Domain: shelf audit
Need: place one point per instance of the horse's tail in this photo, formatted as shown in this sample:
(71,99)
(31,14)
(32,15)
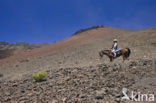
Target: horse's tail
(129,52)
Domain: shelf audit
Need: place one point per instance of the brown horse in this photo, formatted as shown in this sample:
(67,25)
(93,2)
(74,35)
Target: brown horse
(125,53)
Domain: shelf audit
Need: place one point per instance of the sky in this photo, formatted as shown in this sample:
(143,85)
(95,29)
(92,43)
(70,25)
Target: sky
(47,21)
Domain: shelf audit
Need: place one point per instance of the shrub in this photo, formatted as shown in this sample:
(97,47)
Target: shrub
(40,76)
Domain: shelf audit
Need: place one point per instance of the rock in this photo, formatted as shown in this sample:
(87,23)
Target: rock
(1,75)
(15,84)
(6,99)
(54,101)
(22,101)
(134,67)
(7,93)
(69,101)
(22,91)
(82,96)
(117,95)
(64,99)
(118,100)
(13,101)
(30,94)
(99,95)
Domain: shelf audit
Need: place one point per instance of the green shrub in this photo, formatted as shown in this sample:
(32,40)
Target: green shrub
(40,76)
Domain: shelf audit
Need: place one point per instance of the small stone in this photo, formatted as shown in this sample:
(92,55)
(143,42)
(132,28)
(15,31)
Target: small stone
(54,101)
(13,101)
(99,95)
(134,67)
(83,96)
(117,99)
(14,84)
(6,99)
(1,75)
(64,99)
(7,93)
(117,95)
(22,91)
(22,101)
(30,94)
(69,101)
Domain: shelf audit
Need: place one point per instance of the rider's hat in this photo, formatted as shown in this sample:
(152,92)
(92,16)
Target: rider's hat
(115,40)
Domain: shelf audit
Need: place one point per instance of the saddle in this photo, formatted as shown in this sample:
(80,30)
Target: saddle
(118,50)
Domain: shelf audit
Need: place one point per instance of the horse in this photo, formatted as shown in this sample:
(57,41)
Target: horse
(125,53)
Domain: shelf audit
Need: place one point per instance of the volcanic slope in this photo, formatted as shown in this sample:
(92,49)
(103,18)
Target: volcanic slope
(79,50)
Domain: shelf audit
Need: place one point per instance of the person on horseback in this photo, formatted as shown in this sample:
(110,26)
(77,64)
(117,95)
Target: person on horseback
(114,47)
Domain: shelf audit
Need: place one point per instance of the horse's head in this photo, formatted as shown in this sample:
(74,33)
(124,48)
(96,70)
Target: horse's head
(107,51)
(104,52)
(101,54)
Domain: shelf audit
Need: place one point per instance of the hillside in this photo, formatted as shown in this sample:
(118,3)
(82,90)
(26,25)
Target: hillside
(75,72)
(79,50)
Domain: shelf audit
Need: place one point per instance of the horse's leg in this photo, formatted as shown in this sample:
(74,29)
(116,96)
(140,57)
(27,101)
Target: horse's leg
(124,58)
(127,57)
(100,55)
(111,59)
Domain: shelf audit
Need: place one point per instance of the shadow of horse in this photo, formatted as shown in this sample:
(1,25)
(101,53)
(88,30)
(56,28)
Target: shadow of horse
(125,53)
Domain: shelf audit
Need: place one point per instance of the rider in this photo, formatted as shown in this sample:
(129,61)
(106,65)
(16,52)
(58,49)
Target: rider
(114,47)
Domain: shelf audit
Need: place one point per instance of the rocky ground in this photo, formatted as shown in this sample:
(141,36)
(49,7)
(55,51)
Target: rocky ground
(101,83)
